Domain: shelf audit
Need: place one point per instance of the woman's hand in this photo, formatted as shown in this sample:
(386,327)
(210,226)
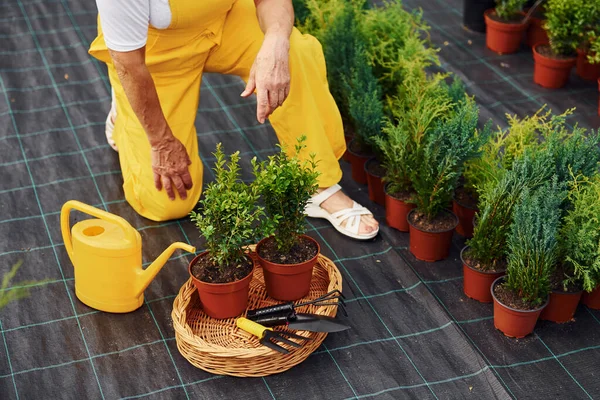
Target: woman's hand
(270,75)
(170,163)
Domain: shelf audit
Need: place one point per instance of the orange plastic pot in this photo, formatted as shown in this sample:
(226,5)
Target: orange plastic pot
(223,300)
(512,322)
(348,138)
(465,218)
(476,283)
(396,212)
(501,37)
(549,72)
(536,34)
(287,282)
(375,182)
(561,307)
(592,299)
(430,246)
(585,70)
(357,164)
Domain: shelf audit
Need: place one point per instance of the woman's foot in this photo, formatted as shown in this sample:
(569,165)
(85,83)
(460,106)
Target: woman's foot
(339,201)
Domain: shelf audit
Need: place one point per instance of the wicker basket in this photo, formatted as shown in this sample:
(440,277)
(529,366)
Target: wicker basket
(219,347)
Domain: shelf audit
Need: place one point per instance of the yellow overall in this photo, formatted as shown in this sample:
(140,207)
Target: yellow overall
(220,36)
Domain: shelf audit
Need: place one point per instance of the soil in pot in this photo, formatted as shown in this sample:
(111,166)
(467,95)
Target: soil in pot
(563,303)
(478,278)
(288,276)
(430,239)
(473,11)
(375,173)
(465,208)
(223,292)
(585,70)
(592,299)
(504,37)
(550,70)
(513,316)
(358,154)
(397,208)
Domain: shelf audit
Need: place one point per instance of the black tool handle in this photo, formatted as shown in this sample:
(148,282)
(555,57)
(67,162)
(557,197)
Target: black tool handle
(272,320)
(285,308)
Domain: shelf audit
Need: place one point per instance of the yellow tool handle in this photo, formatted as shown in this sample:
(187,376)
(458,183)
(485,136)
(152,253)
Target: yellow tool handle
(251,327)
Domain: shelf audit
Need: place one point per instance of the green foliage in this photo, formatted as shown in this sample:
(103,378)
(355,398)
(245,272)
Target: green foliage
(442,155)
(567,23)
(456,91)
(228,215)
(13,292)
(594,47)
(574,152)
(316,17)
(580,233)
(301,11)
(508,9)
(533,249)
(286,185)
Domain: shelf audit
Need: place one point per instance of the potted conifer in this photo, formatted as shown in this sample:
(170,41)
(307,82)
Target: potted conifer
(286,185)
(521,295)
(505,26)
(229,219)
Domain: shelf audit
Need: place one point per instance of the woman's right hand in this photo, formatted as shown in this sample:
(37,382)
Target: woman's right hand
(170,163)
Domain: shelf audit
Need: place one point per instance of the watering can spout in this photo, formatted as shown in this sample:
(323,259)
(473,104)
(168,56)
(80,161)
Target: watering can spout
(146,276)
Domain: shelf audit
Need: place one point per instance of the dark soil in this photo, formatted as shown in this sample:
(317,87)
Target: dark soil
(511,299)
(516,19)
(474,263)
(375,168)
(546,51)
(442,222)
(359,149)
(402,196)
(205,271)
(557,278)
(466,198)
(301,252)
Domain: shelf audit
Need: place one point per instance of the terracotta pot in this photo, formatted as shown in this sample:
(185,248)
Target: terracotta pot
(476,283)
(592,299)
(501,37)
(536,34)
(562,306)
(549,72)
(465,218)
(348,138)
(396,212)
(223,300)
(357,162)
(287,282)
(512,322)
(430,246)
(585,70)
(473,11)
(376,192)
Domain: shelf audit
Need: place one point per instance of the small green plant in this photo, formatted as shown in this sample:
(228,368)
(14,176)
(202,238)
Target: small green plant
(567,23)
(286,185)
(594,47)
(509,9)
(12,292)
(229,217)
(580,234)
(316,17)
(533,249)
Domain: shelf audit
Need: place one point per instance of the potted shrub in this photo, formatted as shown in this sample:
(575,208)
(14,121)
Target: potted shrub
(286,185)
(505,26)
(536,34)
(473,11)
(594,58)
(522,294)
(588,67)
(227,219)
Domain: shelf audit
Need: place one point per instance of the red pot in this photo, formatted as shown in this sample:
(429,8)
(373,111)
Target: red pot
(465,219)
(396,212)
(536,34)
(287,282)
(348,139)
(476,283)
(551,73)
(430,246)
(585,70)
(376,192)
(562,306)
(503,38)
(592,299)
(223,300)
(599,97)
(512,322)
(357,163)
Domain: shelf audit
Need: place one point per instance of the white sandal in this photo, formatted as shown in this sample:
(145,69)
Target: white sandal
(352,215)
(110,125)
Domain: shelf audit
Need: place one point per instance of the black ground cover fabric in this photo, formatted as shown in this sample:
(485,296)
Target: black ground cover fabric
(414,334)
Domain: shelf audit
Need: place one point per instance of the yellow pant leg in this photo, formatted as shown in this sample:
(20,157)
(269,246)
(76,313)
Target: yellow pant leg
(309,108)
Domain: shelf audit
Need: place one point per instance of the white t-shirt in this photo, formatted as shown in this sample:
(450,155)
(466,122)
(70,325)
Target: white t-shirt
(125,22)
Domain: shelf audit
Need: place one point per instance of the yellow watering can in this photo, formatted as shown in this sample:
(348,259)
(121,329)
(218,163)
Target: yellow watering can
(107,256)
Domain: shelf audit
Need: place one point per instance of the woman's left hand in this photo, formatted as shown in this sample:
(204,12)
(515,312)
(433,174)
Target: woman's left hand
(270,75)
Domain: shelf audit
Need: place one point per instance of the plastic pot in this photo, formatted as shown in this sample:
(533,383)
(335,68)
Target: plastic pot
(465,218)
(512,322)
(473,11)
(348,138)
(536,34)
(357,163)
(223,300)
(476,283)
(287,282)
(376,192)
(396,212)
(599,97)
(585,70)
(592,299)
(502,37)
(549,72)
(430,246)
(561,307)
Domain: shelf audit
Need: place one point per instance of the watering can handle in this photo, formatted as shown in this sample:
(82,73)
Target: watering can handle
(95,212)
